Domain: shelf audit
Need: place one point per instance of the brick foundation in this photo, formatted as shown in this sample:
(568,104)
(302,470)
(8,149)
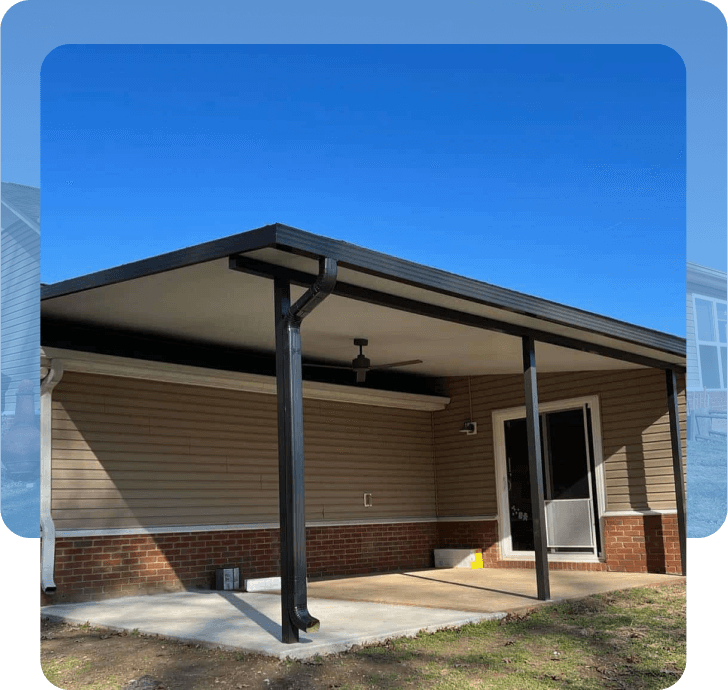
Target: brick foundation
(472,535)
(109,566)
(642,544)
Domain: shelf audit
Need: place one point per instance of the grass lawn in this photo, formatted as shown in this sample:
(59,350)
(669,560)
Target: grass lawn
(631,639)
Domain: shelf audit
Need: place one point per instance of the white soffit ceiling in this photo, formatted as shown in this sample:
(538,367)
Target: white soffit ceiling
(209,303)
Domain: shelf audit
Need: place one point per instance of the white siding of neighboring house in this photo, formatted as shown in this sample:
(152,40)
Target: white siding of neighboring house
(20,307)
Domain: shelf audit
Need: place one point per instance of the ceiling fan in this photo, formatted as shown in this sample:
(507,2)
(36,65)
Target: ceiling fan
(361,364)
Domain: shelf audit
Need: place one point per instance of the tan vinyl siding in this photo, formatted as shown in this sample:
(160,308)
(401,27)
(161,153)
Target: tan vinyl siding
(635,437)
(130,453)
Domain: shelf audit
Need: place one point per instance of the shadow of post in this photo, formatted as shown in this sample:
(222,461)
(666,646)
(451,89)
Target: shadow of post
(267,624)
(654,544)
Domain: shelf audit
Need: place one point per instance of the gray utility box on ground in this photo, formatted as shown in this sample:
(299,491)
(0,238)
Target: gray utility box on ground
(227,578)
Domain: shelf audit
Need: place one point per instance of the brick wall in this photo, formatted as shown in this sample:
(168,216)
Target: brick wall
(472,535)
(642,544)
(102,567)
(634,544)
(108,566)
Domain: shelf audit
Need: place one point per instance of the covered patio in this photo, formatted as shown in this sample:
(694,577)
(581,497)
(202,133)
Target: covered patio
(174,439)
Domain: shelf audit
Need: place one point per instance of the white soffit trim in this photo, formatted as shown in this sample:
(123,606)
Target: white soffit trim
(108,365)
(182,529)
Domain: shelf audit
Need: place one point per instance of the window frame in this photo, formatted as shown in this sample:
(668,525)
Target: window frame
(723,376)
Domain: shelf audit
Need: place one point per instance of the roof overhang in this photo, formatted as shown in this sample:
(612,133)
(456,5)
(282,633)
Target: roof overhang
(456,325)
(706,277)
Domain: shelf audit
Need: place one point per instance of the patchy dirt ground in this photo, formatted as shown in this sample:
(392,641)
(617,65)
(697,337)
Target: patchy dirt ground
(631,639)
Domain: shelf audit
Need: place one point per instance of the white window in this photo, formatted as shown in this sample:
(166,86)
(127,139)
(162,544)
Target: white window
(710,337)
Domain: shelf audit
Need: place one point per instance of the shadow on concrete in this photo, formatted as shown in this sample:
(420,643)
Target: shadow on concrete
(267,624)
(460,584)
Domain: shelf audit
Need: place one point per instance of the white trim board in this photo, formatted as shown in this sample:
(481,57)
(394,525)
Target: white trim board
(181,529)
(127,367)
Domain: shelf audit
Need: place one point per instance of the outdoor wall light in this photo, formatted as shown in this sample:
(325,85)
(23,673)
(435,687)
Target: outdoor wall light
(469,428)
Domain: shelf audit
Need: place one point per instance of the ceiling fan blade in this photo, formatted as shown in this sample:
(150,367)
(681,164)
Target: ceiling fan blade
(326,366)
(397,364)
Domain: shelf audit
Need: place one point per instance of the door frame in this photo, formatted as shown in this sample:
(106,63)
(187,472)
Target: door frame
(501,475)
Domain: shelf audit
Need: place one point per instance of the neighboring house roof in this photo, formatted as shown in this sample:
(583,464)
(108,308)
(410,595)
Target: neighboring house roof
(708,277)
(23,201)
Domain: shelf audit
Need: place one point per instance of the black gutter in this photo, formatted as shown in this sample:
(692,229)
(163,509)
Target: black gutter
(294,605)
(266,270)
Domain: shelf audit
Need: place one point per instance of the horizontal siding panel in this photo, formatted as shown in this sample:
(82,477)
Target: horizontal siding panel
(375,445)
(72,523)
(634,423)
(243,496)
(158,447)
(129,452)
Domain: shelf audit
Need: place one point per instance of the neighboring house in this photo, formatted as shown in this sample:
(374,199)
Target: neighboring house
(164,422)
(707,371)
(20,275)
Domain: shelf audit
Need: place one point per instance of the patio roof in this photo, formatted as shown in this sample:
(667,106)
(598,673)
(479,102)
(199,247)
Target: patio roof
(456,325)
(252,291)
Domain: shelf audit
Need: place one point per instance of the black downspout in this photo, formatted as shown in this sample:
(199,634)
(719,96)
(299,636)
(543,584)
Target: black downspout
(292,506)
(677,463)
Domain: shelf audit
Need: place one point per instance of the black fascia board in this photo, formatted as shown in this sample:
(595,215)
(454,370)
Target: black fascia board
(362,294)
(189,256)
(399,270)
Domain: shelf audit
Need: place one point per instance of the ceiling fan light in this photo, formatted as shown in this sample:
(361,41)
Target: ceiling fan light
(361,362)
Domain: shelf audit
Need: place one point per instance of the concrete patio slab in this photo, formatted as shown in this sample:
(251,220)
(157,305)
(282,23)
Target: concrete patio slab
(483,590)
(353,611)
(251,622)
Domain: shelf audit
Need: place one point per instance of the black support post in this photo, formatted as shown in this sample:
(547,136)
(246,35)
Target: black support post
(292,505)
(677,464)
(533,430)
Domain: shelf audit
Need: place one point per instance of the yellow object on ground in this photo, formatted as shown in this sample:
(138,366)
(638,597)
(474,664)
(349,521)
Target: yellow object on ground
(478,562)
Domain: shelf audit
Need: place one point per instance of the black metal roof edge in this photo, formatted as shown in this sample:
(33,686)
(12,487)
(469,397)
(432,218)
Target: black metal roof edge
(401,270)
(199,253)
(375,263)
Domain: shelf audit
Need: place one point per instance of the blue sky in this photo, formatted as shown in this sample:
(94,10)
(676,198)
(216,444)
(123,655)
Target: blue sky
(554,170)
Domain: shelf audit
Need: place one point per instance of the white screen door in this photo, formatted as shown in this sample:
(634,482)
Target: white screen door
(569,488)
